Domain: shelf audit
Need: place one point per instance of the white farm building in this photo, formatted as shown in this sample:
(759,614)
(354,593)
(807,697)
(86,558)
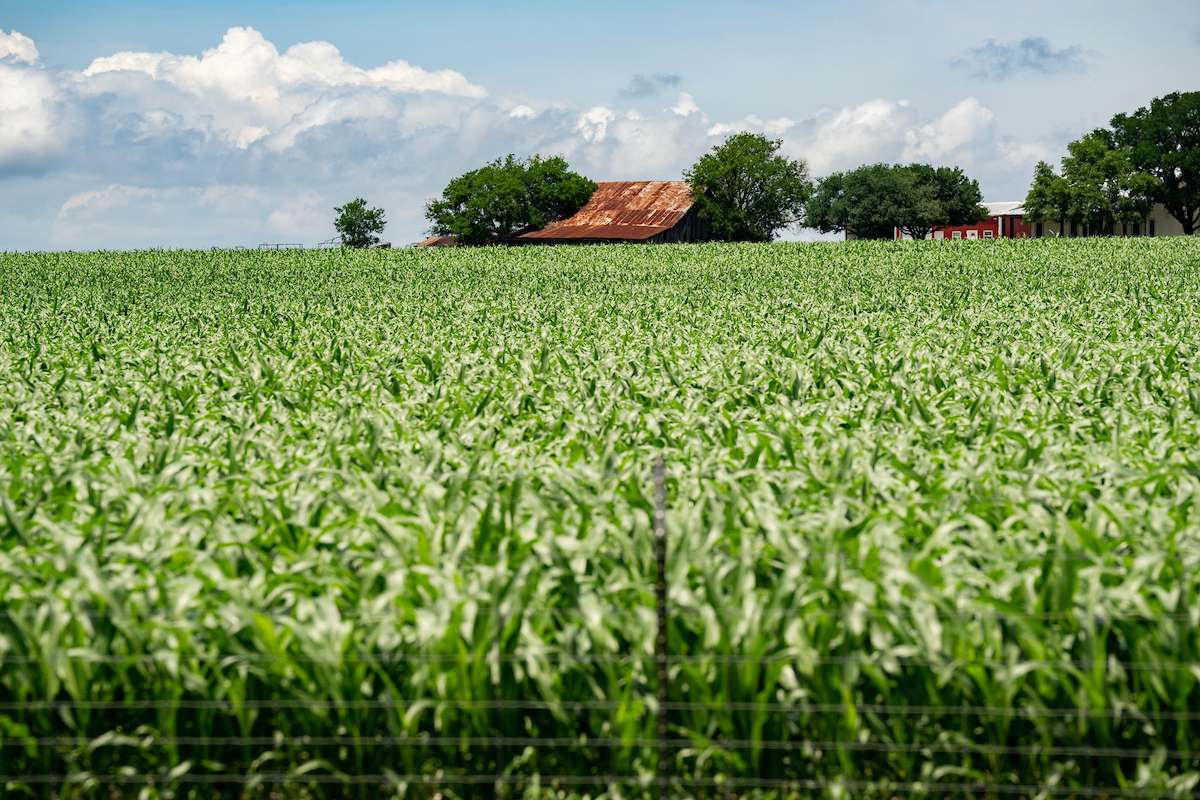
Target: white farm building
(1158,223)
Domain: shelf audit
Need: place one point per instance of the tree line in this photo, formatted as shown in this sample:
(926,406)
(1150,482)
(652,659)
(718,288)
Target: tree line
(744,188)
(748,192)
(1115,175)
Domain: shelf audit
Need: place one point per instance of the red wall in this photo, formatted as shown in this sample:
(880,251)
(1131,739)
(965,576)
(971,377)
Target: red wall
(992,224)
(1017,228)
(1014,228)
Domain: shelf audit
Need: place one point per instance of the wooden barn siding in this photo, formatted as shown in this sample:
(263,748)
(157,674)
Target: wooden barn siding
(692,228)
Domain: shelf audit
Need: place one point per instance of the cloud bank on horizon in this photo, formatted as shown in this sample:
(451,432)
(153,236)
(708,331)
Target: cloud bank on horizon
(244,143)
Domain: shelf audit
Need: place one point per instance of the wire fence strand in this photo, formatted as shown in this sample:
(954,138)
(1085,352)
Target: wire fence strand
(883,660)
(635,704)
(1101,617)
(146,741)
(785,784)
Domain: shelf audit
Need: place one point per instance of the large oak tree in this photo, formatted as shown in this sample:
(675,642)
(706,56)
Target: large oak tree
(870,202)
(746,190)
(941,197)
(1099,187)
(508,197)
(1164,141)
(866,202)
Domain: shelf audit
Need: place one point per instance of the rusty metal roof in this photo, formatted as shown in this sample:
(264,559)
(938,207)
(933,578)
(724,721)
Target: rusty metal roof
(438,241)
(625,211)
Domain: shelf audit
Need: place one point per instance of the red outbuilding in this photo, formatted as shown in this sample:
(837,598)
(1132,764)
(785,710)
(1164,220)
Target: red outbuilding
(1004,221)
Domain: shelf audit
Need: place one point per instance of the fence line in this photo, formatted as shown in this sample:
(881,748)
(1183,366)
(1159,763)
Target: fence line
(1099,617)
(784,784)
(681,743)
(883,661)
(643,704)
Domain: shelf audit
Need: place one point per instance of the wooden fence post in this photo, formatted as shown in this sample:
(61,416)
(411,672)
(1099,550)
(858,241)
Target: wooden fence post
(660,559)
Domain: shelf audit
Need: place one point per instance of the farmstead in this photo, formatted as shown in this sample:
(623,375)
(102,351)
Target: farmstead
(1007,221)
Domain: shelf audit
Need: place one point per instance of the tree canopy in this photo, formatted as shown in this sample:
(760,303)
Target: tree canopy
(1049,198)
(746,191)
(1103,185)
(865,202)
(870,202)
(956,200)
(357,225)
(1099,186)
(1164,141)
(507,197)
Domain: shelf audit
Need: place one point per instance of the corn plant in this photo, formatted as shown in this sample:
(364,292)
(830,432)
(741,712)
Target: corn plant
(351,524)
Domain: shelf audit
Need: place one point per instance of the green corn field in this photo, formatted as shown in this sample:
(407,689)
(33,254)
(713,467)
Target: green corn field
(359,524)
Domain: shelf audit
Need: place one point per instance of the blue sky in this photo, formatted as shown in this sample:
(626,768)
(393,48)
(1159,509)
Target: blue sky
(152,124)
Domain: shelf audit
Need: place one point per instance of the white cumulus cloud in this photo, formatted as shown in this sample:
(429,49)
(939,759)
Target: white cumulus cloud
(29,114)
(17,47)
(966,123)
(250,91)
(888,130)
(686,105)
(96,202)
(593,124)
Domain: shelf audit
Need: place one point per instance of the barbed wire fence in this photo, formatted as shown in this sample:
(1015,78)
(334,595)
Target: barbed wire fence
(658,749)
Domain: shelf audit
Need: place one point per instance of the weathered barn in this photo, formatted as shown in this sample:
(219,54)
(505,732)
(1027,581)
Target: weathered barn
(629,211)
(619,211)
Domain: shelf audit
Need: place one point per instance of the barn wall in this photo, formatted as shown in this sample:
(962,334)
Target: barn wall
(692,228)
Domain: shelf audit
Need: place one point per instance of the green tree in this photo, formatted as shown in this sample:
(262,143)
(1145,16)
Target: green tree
(864,202)
(746,191)
(1049,198)
(357,224)
(507,197)
(1103,186)
(918,209)
(938,197)
(1164,141)
(872,201)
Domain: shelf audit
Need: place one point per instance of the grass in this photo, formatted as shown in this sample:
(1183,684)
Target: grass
(323,514)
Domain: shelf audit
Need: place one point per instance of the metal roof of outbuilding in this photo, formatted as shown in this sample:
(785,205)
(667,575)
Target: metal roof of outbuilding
(623,211)
(438,241)
(1005,209)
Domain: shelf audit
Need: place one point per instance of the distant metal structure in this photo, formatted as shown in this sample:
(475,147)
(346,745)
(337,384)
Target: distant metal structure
(281,246)
(330,243)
